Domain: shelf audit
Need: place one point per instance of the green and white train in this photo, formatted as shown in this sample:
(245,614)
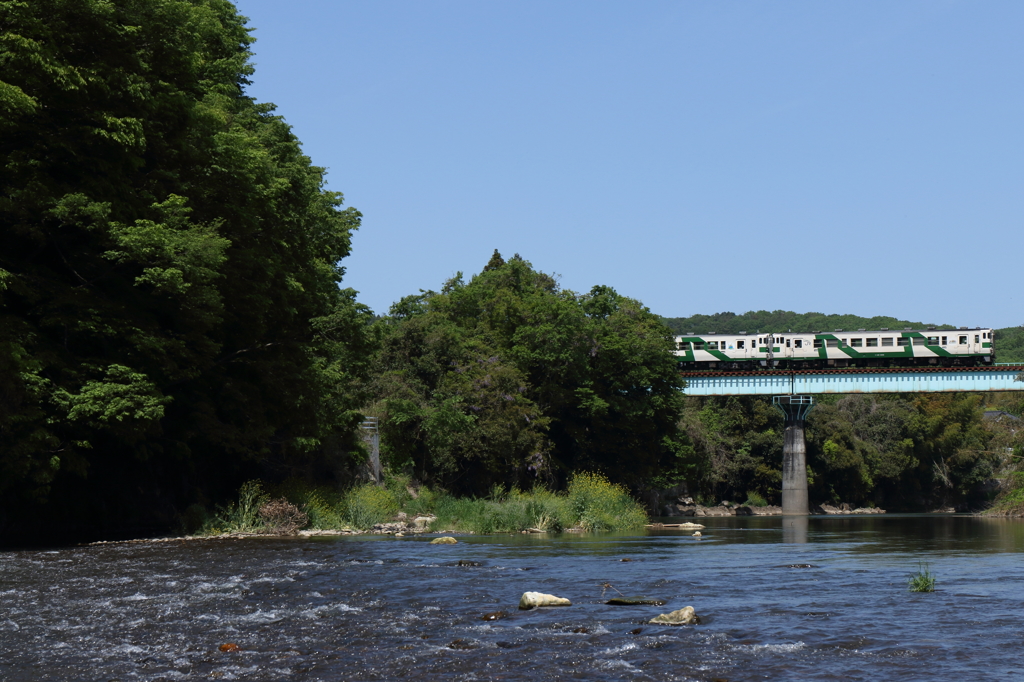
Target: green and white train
(818,350)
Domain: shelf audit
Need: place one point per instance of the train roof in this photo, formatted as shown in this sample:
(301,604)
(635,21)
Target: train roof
(843,331)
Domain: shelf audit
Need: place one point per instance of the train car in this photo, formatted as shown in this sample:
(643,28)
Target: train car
(818,350)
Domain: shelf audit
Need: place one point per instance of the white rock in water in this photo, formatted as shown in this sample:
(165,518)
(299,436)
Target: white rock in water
(684,616)
(688,525)
(446,540)
(696,533)
(530,600)
(421,522)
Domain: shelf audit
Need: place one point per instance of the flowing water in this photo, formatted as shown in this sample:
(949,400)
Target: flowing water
(823,598)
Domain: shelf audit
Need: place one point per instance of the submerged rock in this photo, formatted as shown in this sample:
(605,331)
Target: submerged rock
(531,600)
(229,647)
(684,616)
(463,562)
(494,615)
(446,540)
(635,601)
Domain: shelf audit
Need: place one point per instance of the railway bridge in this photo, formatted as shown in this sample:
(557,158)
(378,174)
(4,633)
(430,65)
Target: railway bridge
(793,392)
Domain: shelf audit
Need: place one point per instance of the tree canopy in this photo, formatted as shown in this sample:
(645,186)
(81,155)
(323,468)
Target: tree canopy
(508,379)
(170,310)
(782,321)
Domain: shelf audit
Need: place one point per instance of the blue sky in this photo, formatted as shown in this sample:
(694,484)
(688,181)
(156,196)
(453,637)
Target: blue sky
(837,157)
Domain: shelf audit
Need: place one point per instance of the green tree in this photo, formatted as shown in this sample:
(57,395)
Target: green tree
(168,266)
(509,379)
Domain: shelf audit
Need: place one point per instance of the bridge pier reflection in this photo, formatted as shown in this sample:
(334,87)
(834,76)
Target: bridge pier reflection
(794,453)
(794,529)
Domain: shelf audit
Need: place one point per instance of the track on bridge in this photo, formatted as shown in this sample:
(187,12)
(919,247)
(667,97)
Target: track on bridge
(854,380)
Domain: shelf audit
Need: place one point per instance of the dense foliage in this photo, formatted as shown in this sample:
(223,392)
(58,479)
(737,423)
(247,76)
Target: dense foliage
(169,304)
(510,380)
(1009,343)
(902,452)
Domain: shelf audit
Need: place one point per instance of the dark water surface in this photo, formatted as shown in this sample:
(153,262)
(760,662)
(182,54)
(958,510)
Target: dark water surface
(382,608)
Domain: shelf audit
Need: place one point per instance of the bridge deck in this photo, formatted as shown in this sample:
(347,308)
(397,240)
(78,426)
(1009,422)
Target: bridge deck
(856,380)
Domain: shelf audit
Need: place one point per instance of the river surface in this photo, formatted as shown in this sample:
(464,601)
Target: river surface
(823,598)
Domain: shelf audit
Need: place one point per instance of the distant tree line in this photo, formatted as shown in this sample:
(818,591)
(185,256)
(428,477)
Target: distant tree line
(900,452)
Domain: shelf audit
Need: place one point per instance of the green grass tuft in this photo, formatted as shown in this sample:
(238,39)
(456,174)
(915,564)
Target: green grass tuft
(922,581)
(755,500)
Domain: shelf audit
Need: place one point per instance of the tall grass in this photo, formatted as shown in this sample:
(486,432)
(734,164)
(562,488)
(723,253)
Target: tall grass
(591,503)
(922,581)
(755,499)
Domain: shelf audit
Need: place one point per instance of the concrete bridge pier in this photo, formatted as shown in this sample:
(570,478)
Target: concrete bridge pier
(794,453)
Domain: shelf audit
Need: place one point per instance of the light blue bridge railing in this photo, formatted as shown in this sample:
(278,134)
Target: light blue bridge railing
(809,382)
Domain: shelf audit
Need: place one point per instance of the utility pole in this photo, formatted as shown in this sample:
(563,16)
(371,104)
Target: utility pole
(371,436)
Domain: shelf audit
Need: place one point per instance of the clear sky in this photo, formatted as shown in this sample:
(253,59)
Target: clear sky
(839,157)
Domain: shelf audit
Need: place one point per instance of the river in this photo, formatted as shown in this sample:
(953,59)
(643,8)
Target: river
(823,598)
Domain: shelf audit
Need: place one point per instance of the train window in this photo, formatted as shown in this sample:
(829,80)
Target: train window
(787,344)
(817,343)
(886,341)
(712,345)
(944,341)
(975,338)
(799,343)
(963,340)
(739,344)
(902,341)
(698,345)
(683,345)
(833,343)
(919,340)
(871,343)
(933,341)
(856,343)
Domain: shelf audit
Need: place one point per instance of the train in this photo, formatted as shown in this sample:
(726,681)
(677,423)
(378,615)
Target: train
(961,347)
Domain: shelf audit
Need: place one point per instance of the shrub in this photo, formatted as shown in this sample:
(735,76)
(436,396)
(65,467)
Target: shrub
(193,519)
(323,506)
(323,515)
(281,517)
(1010,501)
(370,504)
(598,504)
(754,499)
(242,516)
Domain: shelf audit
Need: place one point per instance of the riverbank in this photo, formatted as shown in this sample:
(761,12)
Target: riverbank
(590,503)
(727,509)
